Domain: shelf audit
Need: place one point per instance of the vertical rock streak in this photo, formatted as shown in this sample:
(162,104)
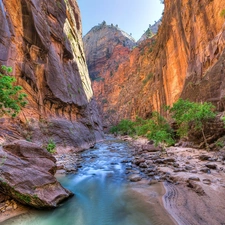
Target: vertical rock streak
(185,59)
(42,41)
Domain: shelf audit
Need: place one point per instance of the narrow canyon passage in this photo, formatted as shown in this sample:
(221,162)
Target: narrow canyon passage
(103,195)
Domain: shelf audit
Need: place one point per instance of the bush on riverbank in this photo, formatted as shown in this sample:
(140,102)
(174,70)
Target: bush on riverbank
(156,128)
(187,115)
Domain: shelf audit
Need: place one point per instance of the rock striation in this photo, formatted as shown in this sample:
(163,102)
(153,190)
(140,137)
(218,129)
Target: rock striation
(27,175)
(185,59)
(42,41)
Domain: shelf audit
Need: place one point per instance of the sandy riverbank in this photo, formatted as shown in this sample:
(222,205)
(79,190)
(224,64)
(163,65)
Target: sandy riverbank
(194,181)
(10,213)
(150,197)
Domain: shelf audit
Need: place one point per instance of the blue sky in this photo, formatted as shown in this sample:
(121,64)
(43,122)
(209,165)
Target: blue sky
(132,16)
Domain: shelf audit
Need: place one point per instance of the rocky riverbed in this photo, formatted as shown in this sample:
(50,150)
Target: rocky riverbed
(100,180)
(194,180)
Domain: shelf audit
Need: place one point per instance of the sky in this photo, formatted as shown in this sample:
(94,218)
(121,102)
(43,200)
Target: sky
(132,16)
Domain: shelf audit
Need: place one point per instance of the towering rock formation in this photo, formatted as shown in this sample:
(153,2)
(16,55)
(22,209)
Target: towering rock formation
(186,60)
(100,43)
(42,41)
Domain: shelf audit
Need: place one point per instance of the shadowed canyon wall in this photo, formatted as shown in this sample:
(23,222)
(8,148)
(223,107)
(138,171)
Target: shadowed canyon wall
(42,41)
(185,59)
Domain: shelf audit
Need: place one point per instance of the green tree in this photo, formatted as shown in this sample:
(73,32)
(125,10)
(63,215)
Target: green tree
(124,127)
(186,114)
(159,130)
(11,97)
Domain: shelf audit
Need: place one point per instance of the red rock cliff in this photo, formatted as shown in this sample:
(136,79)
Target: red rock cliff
(99,45)
(42,41)
(186,60)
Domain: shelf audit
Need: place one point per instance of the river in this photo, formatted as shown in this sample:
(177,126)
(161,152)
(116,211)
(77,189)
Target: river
(103,194)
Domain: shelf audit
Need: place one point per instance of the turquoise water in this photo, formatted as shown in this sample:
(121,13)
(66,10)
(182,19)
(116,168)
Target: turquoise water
(101,196)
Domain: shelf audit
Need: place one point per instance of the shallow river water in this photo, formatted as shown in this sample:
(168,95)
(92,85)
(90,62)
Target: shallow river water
(102,194)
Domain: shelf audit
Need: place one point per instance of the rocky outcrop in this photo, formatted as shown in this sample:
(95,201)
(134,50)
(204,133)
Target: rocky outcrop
(27,175)
(100,43)
(151,31)
(186,60)
(124,93)
(42,41)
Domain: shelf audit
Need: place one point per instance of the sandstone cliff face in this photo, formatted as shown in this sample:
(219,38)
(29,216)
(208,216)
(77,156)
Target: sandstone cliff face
(99,45)
(186,60)
(42,41)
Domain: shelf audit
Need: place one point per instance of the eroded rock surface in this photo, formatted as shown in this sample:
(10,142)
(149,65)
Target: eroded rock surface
(27,175)
(42,41)
(186,60)
(99,45)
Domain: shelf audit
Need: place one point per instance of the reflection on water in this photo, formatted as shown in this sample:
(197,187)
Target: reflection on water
(101,196)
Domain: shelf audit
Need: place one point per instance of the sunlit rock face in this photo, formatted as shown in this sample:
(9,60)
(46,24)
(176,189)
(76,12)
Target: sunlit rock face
(42,41)
(185,59)
(100,43)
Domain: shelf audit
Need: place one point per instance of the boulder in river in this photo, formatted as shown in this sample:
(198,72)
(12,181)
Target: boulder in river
(134,178)
(151,148)
(27,175)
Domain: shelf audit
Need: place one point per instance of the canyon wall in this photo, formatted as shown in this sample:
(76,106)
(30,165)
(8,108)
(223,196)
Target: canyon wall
(184,60)
(42,41)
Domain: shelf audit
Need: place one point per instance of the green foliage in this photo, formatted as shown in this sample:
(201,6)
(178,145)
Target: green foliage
(149,33)
(11,97)
(149,76)
(51,146)
(185,113)
(222,13)
(188,113)
(156,129)
(159,130)
(124,127)
(24,198)
(219,144)
(223,119)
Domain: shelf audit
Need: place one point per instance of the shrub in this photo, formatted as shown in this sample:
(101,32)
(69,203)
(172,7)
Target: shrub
(159,130)
(51,146)
(124,127)
(11,97)
(186,113)
(156,129)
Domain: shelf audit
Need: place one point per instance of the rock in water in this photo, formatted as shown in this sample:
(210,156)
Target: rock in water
(134,178)
(27,175)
